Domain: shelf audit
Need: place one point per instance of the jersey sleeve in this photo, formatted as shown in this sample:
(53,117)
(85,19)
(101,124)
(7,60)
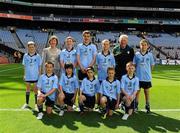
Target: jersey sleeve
(134,60)
(113,61)
(61,81)
(118,87)
(136,84)
(94,50)
(152,60)
(78,50)
(55,84)
(61,56)
(24,60)
(39,61)
(122,83)
(39,83)
(76,84)
(82,85)
(97,86)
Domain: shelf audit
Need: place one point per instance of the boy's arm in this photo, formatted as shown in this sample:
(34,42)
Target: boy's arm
(50,92)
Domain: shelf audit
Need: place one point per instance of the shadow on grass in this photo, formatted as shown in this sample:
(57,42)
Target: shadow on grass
(140,122)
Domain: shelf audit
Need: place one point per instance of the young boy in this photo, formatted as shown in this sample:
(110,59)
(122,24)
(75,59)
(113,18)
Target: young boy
(110,93)
(104,60)
(144,63)
(47,86)
(32,66)
(68,88)
(129,88)
(68,55)
(86,54)
(88,89)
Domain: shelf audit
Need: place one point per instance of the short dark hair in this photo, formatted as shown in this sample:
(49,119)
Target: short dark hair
(86,32)
(110,68)
(49,62)
(68,65)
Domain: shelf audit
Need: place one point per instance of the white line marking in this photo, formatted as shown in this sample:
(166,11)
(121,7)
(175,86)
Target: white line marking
(10,69)
(153,110)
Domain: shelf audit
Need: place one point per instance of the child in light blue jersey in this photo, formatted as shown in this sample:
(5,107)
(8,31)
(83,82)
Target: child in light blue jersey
(68,55)
(47,86)
(129,88)
(86,55)
(88,89)
(144,62)
(32,64)
(68,87)
(104,60)
(110,93)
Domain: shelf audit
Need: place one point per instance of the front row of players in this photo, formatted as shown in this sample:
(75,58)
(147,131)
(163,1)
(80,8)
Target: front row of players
(109,91)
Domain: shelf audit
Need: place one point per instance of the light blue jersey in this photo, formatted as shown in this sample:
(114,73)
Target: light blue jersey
(86,53)
(143,65)
(68,57)
(110,89)
(103,62)
(69,84)
(32,64)
(129,85)
(46,83)
(88,87)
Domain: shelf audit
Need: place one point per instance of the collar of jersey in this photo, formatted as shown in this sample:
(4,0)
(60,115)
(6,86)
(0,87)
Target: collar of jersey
(129,77)
(91,80)
(143,54)
(69,50)
(107,54)
(32,55)
(109,81)
(70,76)
(87,44)
(50,75)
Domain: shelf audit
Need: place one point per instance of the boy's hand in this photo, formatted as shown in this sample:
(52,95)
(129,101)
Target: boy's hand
(73,99)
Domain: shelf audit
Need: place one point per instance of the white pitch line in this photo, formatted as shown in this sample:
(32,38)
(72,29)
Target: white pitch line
(153,110)
(10,69)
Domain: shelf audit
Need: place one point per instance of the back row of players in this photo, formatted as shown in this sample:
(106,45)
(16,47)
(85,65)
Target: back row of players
(117,82)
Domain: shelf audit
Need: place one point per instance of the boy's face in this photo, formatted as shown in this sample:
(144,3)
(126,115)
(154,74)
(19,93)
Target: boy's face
(69,71)
(130,69)
(106,46)
(69,43)
(86,38)
(53,43)
(49,68)
(111,74)
(90,73)
(31,48)
(144,46)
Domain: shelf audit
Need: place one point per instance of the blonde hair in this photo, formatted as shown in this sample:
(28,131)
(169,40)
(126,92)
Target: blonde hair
(105,40)
(144,41)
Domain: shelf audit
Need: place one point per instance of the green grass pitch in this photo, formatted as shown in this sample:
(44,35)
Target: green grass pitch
(165,100)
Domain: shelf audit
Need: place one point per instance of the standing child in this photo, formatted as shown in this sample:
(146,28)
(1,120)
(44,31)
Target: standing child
(47,85)
(32,64)
(68,55)
(129,88)
(68,88)
(88,89)
(144,63)
(86,55)
(110,93)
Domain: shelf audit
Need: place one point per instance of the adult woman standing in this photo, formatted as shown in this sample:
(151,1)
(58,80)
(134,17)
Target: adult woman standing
(52,54)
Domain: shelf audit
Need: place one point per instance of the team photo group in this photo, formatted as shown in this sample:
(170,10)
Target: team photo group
(81,76)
